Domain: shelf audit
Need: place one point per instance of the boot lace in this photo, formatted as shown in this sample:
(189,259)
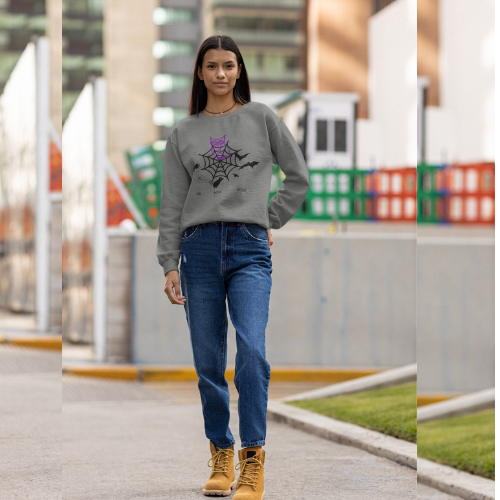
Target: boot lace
(220,461)
(249,471)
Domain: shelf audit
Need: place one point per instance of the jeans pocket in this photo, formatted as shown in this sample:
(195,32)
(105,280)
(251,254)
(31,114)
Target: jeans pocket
(255,232)
(189,232)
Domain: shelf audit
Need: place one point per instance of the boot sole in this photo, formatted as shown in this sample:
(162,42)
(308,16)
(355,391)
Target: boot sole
(223,493)
(263,494)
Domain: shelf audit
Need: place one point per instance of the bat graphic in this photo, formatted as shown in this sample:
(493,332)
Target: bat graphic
(240,157)
(220,160)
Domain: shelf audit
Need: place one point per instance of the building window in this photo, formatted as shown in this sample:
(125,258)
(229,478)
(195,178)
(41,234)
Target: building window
(256,24)
(269,61)
(83,8)
(162,48)
(380,4)
(321,135)
(162,15)
(340,136)
(331,135)
(164,82)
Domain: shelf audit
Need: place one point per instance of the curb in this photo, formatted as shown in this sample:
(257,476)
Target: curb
(183,373)
(52,342)
(468,403)
(424,399)
(386,378)
(454,481)
(442,477)
(129,373)
(397,450)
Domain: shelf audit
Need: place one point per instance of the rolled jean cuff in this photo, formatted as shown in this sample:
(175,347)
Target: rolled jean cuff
(255,443)
(225,446)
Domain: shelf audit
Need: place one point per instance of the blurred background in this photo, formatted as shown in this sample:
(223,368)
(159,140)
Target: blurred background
(342,77)
(392,105)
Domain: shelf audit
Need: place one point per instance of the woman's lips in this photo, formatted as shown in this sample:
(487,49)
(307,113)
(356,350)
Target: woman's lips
(220,84)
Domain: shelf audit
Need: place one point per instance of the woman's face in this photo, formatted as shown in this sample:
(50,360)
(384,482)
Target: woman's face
(219,71)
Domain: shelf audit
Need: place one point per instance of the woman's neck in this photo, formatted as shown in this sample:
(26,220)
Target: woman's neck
(218,107)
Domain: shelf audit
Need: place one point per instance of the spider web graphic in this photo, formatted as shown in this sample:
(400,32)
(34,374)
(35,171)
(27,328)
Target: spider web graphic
(222,164)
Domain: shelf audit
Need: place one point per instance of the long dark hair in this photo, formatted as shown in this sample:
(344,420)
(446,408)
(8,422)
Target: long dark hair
(198,95)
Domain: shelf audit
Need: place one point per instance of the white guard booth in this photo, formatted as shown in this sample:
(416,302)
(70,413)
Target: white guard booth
(324,126)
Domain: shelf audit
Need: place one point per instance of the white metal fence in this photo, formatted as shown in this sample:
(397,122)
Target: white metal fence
(24,184)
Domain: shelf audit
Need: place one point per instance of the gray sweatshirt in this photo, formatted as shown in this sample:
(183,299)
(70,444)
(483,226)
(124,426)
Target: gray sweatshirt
(219,168)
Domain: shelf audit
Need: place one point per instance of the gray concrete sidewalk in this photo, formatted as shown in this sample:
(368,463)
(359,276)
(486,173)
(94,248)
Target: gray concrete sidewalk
(123,440)
(30,424)
(157,449)
(17,323)
(427,493)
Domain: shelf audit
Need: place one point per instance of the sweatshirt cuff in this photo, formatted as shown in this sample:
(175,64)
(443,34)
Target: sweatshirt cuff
(169,265)
(274,221)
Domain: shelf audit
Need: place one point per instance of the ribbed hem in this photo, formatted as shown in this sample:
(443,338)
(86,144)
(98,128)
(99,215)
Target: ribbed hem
(274,222)
(170,265)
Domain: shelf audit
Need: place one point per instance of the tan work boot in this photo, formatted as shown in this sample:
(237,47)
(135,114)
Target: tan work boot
(223,478)
(250,484)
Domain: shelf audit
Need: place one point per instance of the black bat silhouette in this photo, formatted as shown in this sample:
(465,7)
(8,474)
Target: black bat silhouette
(240,157)
(217,182)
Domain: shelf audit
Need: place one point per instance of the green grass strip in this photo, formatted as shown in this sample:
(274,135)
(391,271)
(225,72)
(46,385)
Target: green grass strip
(466,442)
(392,410)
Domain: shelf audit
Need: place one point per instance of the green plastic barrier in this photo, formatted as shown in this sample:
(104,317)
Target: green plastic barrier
(145,165)
(427,179)
(431,194)
(431,208)
(341,207)
(333,194)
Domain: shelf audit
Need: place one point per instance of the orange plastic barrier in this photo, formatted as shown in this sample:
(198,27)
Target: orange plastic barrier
(471,208)
(117,210)
(393,181)
(471,178)
(55,161)
(394,208)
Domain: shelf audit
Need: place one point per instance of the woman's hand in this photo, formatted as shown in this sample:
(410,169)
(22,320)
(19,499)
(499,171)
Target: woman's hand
(269,238)
(173,283)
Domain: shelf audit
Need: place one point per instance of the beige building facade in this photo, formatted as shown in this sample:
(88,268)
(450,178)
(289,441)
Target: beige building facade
(128,38)
(337,48)
(54,33)
(428,47)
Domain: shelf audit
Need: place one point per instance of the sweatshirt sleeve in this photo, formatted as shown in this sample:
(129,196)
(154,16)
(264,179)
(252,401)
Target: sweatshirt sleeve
(287,201)
(175,186)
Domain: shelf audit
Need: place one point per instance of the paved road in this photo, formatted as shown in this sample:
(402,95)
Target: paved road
(426,493)
(124,440)
(156,449)
(30,424)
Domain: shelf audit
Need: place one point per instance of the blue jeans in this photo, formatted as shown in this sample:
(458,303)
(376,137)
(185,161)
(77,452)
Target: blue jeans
(233,259)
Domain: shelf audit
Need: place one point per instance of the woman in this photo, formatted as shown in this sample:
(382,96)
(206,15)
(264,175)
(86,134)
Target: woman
(214,215)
